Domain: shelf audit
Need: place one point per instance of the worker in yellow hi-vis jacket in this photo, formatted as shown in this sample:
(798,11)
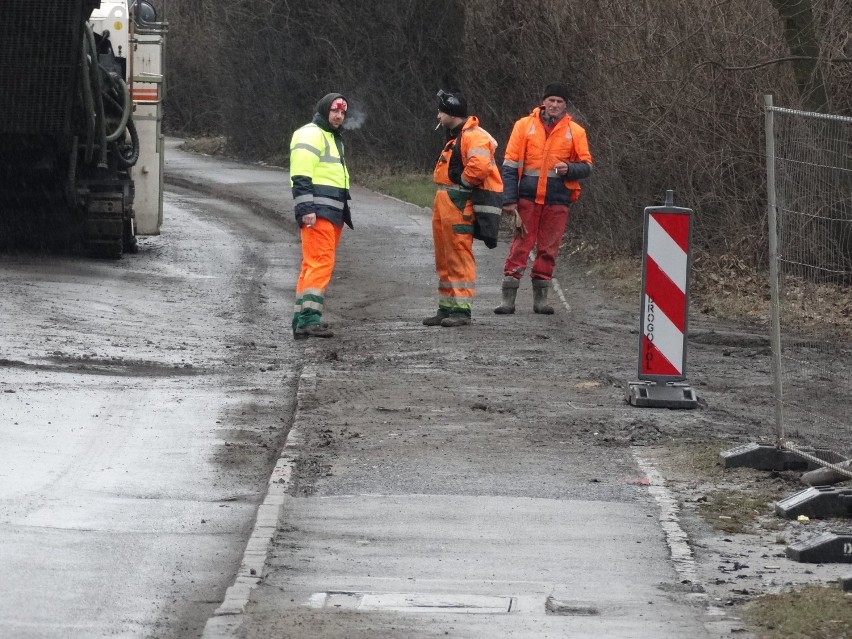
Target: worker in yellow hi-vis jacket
(320,184)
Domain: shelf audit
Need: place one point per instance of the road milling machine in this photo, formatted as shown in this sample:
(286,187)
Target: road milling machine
(81,148)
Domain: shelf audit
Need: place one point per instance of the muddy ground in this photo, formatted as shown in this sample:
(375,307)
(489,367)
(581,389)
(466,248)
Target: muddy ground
(575,401)
(530,391)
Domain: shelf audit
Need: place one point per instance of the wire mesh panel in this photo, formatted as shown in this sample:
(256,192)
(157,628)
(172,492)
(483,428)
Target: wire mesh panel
(39,55)
(810,195)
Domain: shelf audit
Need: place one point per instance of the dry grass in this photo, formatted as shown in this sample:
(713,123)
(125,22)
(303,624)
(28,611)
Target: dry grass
(721,286)
(417,188)
(210,145)
(811,613)
(730,510)
(620,275)
(727,287)
(735,512)
(697,459)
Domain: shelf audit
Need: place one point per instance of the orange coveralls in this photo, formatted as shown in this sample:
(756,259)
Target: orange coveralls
(453,215)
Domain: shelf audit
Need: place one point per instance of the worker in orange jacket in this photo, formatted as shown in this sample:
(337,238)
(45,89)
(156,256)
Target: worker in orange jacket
(468,181)
(547,156)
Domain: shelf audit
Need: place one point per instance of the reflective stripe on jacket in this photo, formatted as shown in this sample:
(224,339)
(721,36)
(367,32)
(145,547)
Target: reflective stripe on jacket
(318,175)
(479,182)
(531,155)
(480,171)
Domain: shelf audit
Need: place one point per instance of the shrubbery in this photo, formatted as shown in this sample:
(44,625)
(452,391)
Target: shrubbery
(671,91)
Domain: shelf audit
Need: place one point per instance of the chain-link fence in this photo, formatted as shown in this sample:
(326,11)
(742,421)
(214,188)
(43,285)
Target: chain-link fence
(809,173)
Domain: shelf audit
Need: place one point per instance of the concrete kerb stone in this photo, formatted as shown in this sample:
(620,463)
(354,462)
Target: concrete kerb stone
(221,627)
(227,618)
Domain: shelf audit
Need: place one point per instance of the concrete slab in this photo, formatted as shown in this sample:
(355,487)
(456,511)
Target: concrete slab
(392,556)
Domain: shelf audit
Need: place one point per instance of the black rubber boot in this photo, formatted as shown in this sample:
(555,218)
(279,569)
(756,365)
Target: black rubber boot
(540,304)
(315,330)
(510,291)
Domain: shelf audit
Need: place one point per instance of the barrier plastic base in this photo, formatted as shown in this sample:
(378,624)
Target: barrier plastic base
(653,395)
(764,457)
(817,501)
(822,549)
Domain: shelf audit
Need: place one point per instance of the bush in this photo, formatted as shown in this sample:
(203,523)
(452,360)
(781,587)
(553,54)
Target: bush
(670,90)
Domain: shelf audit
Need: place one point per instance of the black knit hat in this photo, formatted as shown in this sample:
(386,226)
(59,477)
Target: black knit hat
(452,104)
(559,89)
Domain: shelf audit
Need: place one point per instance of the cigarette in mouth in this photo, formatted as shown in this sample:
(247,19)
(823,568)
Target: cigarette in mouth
(437,126)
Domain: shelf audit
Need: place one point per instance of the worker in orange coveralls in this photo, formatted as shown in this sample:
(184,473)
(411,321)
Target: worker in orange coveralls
(320,184)
(468,181)
(547,155)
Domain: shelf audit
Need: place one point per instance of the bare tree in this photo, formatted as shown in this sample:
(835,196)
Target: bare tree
(670,91)
(800,33)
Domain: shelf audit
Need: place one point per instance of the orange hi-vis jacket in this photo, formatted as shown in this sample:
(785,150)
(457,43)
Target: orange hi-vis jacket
(477,152)
(466,169)
(469,186)
(531,155)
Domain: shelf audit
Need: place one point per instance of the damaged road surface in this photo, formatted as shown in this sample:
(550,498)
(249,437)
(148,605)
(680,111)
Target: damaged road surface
(486,481)
(470,482)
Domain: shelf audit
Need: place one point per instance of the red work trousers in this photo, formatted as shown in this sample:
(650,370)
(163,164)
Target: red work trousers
(452,232)
(545,225)
(319,246)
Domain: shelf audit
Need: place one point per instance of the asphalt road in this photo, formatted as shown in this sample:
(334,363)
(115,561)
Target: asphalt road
(142,405)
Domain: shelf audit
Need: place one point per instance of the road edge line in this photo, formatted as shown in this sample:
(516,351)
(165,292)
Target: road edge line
(682,555)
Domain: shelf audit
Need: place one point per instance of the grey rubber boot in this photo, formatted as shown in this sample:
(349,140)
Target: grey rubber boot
(510,291)
(540,304)
(435,320)
(455,320)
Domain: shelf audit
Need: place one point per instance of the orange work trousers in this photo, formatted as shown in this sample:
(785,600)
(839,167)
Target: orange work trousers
(452,232)
(319,247)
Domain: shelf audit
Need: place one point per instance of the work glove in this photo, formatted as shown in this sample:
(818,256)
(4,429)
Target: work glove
(519,229)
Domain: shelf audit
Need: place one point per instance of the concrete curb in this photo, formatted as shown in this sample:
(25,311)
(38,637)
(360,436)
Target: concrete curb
(228,617)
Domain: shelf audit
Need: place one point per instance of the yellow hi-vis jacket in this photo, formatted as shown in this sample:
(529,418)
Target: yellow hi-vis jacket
(318,175)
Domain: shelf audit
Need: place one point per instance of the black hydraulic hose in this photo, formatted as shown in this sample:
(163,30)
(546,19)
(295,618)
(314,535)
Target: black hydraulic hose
(125,110)
(128,157)
(98,96)
(88,105)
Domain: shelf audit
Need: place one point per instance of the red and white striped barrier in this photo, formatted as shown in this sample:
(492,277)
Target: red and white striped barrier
(664,295)
(665,300)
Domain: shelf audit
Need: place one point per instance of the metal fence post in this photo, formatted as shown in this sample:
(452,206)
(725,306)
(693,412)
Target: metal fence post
(775,315)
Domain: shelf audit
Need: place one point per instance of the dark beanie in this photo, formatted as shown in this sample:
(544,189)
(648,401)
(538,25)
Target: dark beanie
(452,104)
(559,89)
